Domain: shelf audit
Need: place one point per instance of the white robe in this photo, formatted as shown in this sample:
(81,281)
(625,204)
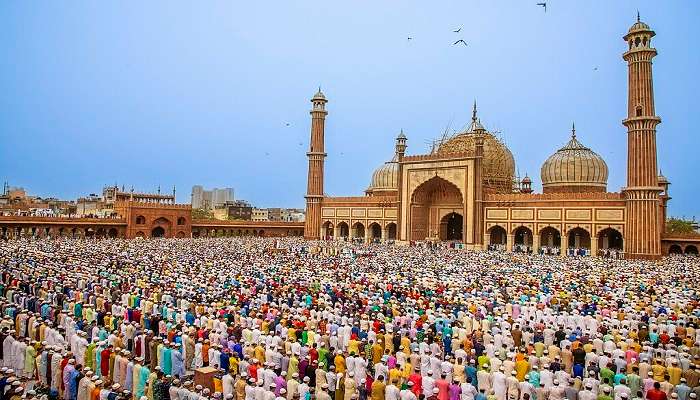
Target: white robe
(7,350)
(198,361)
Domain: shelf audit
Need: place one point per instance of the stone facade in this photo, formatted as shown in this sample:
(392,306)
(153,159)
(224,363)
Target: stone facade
(146,220)
(462,190)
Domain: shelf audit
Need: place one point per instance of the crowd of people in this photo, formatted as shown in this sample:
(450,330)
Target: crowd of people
(286,319)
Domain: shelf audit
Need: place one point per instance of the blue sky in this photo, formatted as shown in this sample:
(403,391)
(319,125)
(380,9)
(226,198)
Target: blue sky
(182,93)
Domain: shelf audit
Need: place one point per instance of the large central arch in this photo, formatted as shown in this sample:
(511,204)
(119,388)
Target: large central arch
(430,202)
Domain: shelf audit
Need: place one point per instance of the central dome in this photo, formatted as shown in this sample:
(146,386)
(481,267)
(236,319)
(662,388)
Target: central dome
(574,168)
(498,163)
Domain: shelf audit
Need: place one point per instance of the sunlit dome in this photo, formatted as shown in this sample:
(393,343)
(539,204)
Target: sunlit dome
(574,168)
(498,162)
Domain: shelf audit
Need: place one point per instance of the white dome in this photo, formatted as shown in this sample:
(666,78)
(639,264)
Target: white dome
(386,177)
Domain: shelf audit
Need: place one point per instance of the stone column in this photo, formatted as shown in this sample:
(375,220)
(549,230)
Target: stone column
(385,233)
(594,246)
(535,244)
(487,239)
(510,240)
(368,236)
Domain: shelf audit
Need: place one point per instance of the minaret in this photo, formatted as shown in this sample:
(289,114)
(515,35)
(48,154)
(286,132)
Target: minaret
(316,154)
(400,149)
(642,238)
(478,130)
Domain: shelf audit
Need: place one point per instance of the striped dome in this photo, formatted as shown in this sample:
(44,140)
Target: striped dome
(386,177)
(574,168)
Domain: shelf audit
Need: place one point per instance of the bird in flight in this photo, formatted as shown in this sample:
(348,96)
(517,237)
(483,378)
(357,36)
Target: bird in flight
(287,124)
(595,68)
(460,41)
(543,5)
(409,38)
(457,30)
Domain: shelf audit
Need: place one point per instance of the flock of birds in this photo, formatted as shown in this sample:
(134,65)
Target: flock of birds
(461,42)
(464,43)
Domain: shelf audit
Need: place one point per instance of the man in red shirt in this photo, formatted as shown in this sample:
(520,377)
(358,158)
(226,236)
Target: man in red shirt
(656,393)
(417,382)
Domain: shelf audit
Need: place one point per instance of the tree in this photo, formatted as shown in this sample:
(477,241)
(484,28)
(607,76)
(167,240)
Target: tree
(678,225)
(200,213)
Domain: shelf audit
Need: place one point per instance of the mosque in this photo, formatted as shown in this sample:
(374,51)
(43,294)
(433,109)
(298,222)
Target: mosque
(465,189)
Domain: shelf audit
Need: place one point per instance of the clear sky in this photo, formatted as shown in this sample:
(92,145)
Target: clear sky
(182,93)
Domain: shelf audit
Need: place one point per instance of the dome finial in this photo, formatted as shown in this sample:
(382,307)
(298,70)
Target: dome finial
(573,130)
(638,20)
(474,111)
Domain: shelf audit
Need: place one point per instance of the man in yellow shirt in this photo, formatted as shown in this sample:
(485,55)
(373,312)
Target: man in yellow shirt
(377,352)
(378,389)
(522,367)
(339,362)
(674,373)
(658,370)
(354,347)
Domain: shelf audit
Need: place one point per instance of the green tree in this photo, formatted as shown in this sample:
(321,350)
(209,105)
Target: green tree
(200,213)
(678,225)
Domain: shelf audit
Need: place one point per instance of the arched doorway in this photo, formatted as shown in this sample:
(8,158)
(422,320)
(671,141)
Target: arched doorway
(375,231)
(343,230)
(89,232)
(158,232)
(522,236)
(426,202)
(391,231)
(497,238)
(691,249)
(328,230)
(452,226)
(578,239)
(675,249)
(358,230)
(610,238)
(550,239)
(164,225)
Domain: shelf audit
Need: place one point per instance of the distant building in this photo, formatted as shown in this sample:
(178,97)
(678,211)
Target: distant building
(274,214)
(16,201)
(89,205)
(197,197)
(210,199)
(260,214)
(239,209)
(279,214)
(292,215)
